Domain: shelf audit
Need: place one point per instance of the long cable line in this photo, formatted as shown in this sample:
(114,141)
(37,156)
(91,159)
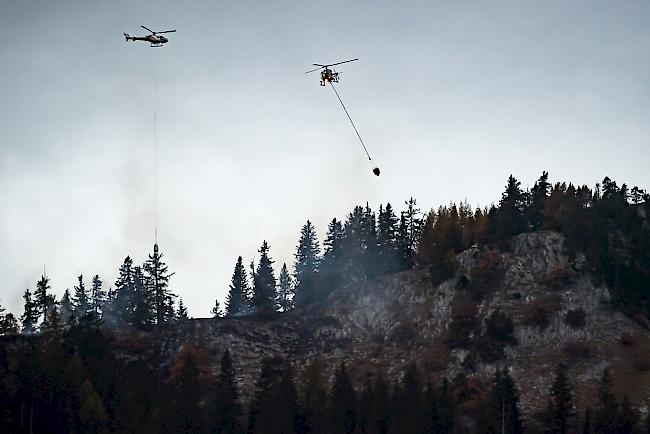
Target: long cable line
(353,126)
(155,149)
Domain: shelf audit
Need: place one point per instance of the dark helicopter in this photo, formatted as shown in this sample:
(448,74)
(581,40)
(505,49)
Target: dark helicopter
(328,75)
(154,38)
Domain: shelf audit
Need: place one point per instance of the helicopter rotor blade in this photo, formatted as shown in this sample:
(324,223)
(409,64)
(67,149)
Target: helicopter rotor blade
(146,28)
(167,31)
(318,64)
(345,61)
(314,70)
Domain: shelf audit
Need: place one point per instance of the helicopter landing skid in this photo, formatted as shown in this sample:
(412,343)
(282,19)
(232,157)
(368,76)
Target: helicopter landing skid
(156,45)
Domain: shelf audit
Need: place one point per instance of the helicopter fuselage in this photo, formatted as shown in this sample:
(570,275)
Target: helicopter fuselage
(154,40)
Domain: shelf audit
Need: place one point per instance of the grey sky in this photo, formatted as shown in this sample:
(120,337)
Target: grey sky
(450,97)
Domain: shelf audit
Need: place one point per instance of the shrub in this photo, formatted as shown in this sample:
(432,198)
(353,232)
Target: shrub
(537,313)
(575,318)
(559,276)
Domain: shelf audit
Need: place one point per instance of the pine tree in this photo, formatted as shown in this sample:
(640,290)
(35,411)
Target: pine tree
(503,413)
(538,195)
(97,297)
(181,313)
(157,281)
(387,231)
(66,310)
(366,401)
(41,299)
(8,325)
(140,311)
(306,264)
(237,302)
(313,396)
(562,412)
(511,219)
(273,407)
(81,301)
(605,415)
(285,294)
(123,304)
(370,248)
(227,408)
(331,266)
(380,411)
(29,317)
(216,310)
(264,282)
(342,404)
(187,386)
(354,262)
(413,228)
(410,414)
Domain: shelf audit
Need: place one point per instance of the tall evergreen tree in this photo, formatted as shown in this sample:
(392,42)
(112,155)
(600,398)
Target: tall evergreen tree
(410,413)
(538,195)
(307,258)
(66,310)
(284,298)
(587,427)
(343,404)
(227,408)
(387,231)
(313,397)
(187,387)
(503,413)
(446,408)
(157,280)
(29,317)
(41,296)
(562,411)
(413,228)
(380,411)
(140,310)
(123,303)
(97,297)
(628,419)
(264,282)
(331,266)
(237,302)
(511,219)
(81,300)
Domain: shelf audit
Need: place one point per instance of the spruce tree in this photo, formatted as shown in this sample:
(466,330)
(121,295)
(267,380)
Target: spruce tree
(410,413)
(313,396)
(331,265)
(8,325)
(97,296)
(216,310)
(181,313)
(187,388)
(284,298)
(628,420)
(29,317)
(123,303)
(446,408)
(413,222)
(41,296)
(387,231)
(306,264)
(511,217)
(140,311)
(264,282)
(366,401)
(273,407)
(380,411)
(562,411)
(227,408)
(538,195)
(157,281)
(503,413)
(66,310)
(237,301)
(342,404)
(81,301)
(586,425)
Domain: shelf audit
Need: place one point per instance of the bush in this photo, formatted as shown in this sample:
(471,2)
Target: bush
(537,313)
(575,318)
(560,276)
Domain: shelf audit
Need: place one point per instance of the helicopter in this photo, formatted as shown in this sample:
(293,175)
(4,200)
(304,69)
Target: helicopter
(153,38)
(328,75)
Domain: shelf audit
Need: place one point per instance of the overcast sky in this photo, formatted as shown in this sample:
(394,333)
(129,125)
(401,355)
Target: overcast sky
(450,97)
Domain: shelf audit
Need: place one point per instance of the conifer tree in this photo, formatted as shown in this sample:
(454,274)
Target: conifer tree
(369,247)
(41,296)
(562,411)
(273,407)
(284,298)
(181,313)
(503,413)
(413,228)
(586,425)
(123,303)
(387,231)
(81,301)
(366,401)
(216,310)
(410,414)
(157,281)
(342,404)
(140,309)
(606,414)
(8,325)
(538,195)
(306,264)
(331,266)
(628,419)
(511,217)
(353,249)
(446,408)
(187,387)
(29,317)
(380,411)
(66,310)
(227,407)
(264,282)
(313,396)
(237,301)
(97,296)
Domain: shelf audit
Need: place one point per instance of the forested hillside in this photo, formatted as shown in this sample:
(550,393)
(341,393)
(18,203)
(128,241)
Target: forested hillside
(530,314)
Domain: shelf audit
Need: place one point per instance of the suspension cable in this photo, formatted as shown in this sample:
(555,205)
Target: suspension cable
(353,126)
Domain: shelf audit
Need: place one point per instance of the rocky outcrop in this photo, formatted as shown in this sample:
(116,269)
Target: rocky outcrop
(560,315)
